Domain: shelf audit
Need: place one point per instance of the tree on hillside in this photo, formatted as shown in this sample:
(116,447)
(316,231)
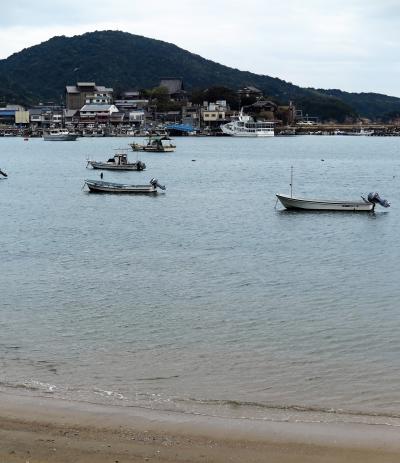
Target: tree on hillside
(160,99)
(213,94)
(326,109)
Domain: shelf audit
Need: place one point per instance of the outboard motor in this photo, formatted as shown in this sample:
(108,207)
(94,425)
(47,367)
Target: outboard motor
(3,173)
(376,199)
(141,165)
(155,183)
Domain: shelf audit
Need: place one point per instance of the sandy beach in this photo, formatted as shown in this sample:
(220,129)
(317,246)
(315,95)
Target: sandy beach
(47,430)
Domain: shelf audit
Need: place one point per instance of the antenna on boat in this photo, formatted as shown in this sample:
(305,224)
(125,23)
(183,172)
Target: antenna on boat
(291,181)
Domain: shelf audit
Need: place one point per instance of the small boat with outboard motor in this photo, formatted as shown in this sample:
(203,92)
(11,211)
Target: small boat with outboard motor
(2,173)
(306,204)
(291,202)
(155,144)
(118,162)
(100,186)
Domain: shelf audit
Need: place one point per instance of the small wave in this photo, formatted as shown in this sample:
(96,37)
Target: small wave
(30,385)
(112,394)
(38,385)
(6,348)
(18,386)
(290,407)
(158,378)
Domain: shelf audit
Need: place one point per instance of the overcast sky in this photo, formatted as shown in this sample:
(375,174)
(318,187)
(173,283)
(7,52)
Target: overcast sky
(353,45)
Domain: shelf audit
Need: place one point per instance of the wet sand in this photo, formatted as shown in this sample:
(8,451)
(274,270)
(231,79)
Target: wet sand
(47,430)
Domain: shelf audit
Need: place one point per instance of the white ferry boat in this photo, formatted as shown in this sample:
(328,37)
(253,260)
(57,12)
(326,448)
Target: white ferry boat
(246,126)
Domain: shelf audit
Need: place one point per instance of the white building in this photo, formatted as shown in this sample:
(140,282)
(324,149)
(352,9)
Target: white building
(98,98)
(214,112)
(137,117)
(97,112)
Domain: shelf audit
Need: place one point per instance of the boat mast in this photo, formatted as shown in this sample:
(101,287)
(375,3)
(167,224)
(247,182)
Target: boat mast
(291,181)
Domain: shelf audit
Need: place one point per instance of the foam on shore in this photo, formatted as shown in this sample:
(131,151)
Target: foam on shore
(50,411)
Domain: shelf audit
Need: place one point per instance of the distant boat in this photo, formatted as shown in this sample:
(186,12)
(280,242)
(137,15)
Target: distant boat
(245,126)
(99,186)
(59,135)
(363,132)
(118,162)
(286,133)
(155,144)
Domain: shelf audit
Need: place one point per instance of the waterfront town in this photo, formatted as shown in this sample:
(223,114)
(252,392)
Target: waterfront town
(93,110)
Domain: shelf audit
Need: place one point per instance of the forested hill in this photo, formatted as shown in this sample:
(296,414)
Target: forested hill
(125,61)
(370,105)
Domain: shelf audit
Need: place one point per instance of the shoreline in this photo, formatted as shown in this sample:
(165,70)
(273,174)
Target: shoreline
(48,429)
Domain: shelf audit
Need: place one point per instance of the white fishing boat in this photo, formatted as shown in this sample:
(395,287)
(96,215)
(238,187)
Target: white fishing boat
(365,205)
(363,133)
(290,202)
(118,162)
(59,135)
(246,126)
(99,186)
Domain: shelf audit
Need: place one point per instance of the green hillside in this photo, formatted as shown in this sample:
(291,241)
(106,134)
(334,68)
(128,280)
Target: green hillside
(371,105)
(124,61)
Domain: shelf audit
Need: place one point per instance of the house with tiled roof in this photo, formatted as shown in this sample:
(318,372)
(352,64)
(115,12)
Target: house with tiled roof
(250,91)
(98,113)
(175,88)
(83,93)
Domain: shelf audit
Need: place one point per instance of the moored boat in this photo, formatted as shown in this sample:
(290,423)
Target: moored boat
(365,205)
(59,135)
(99,186)
(155,144)
(368,204)
(363,132)
(290,202)
(118,162)
(246,126)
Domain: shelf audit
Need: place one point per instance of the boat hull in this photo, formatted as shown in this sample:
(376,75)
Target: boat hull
(69,137)
(149,149)
(110,166)
(324,205)
(260,134)
(108,187)
(166,149)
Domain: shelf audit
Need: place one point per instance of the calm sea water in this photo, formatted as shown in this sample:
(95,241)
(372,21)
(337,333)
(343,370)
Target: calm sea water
(204,299)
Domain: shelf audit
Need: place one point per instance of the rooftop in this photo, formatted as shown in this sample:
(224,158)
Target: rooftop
(97,107)
(93,87)
(173,85)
